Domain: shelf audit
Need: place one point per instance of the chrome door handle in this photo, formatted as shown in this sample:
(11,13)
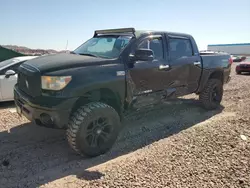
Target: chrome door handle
(197,63)
(161,67)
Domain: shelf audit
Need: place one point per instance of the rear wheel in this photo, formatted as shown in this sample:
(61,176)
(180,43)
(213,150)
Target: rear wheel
(93,129)
(212,94)
(238,72)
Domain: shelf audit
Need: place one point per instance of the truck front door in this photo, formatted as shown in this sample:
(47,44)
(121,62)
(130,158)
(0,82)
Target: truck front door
(149,77)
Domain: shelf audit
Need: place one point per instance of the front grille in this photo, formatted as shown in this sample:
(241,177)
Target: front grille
(29,80)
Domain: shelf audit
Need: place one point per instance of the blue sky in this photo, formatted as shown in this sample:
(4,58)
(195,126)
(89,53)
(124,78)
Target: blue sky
(50,23)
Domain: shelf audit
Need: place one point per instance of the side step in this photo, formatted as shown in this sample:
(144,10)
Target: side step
(152,98)
(169,93)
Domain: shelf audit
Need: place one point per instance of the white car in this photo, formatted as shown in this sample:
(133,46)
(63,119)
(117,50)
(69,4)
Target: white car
(8,76)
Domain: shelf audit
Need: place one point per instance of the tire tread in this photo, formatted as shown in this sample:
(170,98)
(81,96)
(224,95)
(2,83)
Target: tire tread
(205,94)
(77,119)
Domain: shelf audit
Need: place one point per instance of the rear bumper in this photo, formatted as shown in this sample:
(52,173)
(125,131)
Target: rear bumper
(55,116)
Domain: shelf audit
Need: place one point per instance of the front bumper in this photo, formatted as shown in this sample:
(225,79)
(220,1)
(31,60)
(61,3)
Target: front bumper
(43,114)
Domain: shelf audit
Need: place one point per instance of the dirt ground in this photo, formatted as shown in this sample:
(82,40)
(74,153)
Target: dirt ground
(178,144)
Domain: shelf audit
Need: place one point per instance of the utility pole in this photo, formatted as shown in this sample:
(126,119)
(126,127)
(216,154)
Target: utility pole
(66,46)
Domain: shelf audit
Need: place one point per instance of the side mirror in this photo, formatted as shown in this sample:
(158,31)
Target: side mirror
(142,54)
(9,73)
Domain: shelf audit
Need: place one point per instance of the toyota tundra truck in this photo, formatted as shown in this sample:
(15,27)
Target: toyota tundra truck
(88,91)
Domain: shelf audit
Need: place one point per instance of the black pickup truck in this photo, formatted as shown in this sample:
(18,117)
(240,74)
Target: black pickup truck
(88,91)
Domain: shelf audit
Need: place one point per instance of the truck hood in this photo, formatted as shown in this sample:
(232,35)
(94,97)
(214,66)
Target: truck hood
(55,62)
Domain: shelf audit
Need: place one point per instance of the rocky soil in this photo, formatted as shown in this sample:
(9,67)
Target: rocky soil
(178,144)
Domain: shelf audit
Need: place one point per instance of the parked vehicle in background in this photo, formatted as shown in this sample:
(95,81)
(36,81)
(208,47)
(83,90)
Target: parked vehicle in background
(243,58)
(89,91)
(238,58)
(8,76)
(243,66)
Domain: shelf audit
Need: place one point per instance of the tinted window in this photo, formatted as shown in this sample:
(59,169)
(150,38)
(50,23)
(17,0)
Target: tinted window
(155,44)
(180,48)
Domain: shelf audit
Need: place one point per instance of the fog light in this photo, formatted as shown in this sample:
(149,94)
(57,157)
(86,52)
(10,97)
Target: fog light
(46,119)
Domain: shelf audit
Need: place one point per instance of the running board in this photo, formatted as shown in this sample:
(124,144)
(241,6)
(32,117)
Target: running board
(169,93)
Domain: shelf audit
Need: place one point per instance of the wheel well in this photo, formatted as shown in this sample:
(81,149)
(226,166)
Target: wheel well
(217,75)
(101,95)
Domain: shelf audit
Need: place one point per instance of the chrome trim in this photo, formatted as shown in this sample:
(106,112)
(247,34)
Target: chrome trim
(163,67)
(197,63)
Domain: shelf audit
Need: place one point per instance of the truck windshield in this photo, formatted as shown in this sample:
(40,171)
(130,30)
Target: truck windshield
(103,46)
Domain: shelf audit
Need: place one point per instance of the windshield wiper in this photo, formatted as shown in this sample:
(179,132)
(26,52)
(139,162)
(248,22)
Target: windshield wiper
(88,54)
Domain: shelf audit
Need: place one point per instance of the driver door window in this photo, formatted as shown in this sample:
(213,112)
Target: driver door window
(154,44)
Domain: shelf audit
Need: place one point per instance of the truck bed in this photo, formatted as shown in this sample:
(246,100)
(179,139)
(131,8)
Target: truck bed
(215,60)
(212,62)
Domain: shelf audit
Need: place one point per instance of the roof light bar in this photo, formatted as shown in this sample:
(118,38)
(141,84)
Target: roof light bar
(120,30)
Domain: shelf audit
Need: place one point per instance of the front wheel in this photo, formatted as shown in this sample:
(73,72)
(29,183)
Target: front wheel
(93,129)
(212,94)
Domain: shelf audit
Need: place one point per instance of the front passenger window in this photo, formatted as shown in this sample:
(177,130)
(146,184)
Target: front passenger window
(155,44)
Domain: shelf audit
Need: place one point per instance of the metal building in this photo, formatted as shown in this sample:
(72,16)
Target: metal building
(234,49)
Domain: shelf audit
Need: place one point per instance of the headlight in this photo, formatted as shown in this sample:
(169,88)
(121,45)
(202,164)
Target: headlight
(55,82)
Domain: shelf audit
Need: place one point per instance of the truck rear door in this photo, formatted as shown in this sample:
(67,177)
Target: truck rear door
(185,63)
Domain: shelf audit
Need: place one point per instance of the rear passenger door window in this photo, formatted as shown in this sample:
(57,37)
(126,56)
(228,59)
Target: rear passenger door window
(179,48)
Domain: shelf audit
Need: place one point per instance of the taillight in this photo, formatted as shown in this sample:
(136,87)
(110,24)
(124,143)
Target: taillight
(230,60)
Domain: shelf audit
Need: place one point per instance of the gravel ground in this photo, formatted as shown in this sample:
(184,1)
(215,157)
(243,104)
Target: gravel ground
(178,144)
